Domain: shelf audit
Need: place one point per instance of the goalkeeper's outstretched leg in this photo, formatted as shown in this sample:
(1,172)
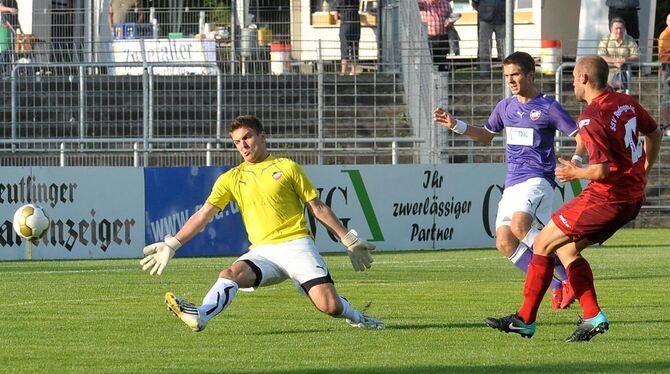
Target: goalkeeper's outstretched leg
(272,195)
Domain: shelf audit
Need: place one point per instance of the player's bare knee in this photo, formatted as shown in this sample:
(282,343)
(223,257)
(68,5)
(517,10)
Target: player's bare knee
(505,246)
(242,275)
(325,299)
(329,306)
(519,229)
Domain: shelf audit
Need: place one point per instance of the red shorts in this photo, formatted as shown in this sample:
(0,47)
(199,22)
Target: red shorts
(591,216)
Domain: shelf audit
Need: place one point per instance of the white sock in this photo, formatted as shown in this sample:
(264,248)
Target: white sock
(530,237)
(218,298)
(349,311)
(518,252)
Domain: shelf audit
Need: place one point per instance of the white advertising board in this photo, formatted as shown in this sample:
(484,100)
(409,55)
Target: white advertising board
(401,207)
(184,51)
(95,212)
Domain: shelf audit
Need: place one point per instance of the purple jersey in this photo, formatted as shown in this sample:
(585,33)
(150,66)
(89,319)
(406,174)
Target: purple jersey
(530,130)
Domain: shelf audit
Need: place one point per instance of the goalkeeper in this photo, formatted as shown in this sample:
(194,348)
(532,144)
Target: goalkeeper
(271,193)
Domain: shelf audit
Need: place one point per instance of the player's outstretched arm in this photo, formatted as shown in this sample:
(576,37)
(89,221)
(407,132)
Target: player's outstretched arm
(446,120)
(157,255)
(357,249)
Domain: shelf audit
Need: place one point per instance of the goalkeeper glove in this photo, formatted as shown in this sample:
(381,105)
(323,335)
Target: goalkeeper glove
(157,255)
(358,251)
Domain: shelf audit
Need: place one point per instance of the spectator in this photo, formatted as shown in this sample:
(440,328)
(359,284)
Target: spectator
(8,21)
(491,18)
(626,10)
(119,10)
(617,49)
(350,34)
(435,14)
(664,58)
(62,24)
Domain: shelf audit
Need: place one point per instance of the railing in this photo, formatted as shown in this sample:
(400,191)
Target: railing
(80,115)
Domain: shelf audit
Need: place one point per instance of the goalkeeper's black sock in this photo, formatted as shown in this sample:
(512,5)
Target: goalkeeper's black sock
(218,298)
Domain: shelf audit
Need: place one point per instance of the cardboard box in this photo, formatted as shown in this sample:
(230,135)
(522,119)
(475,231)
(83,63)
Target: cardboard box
(369,19)
(323,18)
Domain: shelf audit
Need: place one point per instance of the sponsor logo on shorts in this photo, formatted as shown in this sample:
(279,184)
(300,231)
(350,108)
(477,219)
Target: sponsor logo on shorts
(565,221)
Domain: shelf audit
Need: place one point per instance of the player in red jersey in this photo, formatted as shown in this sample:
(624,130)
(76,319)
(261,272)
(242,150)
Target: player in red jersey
(612,128)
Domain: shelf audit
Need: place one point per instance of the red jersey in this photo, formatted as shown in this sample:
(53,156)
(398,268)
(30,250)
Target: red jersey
(611,128)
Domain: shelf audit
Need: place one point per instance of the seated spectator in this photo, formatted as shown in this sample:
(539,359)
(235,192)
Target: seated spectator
(618,49)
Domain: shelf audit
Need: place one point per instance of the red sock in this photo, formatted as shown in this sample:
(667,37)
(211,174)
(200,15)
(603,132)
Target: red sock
(538,278)
(580,277)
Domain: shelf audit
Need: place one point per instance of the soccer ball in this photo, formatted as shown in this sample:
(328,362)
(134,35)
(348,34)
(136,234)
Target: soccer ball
(30,222)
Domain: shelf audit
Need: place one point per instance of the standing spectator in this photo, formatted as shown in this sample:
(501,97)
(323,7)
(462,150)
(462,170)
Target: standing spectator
(119,10)
(350,34)
(62,24)
(612,127)
(664,58)
(435,14)
(491,19)
(626,10)
(8,22)
(618,48)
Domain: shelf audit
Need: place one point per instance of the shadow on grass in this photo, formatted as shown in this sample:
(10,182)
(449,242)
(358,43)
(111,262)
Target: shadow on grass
(578,367)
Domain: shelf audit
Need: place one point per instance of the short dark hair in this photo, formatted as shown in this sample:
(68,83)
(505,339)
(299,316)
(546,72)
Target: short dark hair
(617,20)
(248,121)
(523,60)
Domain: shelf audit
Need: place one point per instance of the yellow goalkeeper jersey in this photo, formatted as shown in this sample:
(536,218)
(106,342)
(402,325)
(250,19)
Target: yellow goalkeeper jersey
(270,195)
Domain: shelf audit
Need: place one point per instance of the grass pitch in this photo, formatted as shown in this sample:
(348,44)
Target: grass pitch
(109,317)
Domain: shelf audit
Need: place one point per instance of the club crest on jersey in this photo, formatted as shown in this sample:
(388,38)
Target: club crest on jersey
(277,175)
(535,114)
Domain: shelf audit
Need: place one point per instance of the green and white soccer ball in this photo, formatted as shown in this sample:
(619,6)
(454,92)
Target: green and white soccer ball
(31,222)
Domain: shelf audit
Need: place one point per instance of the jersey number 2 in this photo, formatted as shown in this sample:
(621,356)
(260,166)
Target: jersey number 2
(635,148)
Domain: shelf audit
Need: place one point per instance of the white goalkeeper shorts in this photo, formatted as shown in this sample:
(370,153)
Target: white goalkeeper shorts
(534,196)
(297,260)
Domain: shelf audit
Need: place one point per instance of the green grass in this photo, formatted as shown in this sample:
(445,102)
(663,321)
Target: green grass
(108,316)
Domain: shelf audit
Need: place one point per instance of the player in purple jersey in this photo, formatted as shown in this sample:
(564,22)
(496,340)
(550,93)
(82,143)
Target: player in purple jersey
(530,119)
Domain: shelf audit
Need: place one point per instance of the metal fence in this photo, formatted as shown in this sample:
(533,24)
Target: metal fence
(164,114)
(64,108)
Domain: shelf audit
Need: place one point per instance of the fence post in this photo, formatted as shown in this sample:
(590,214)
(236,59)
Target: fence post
(394,152)
(219,100)
(320,100)
(82,106)
(15,105)
(146,128)
(208,155)
(62,154)
(136,155)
